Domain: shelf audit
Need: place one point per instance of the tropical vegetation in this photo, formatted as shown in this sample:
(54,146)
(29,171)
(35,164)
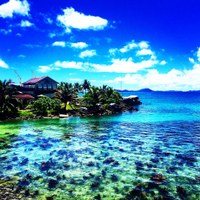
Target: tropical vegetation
(8,104)
(67,100)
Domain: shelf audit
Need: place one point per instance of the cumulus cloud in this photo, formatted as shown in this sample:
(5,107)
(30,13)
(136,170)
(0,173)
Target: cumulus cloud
(163,62)
(78,45)
(45,69)
(63,65)
(142,48)
(14,7)
(143,45)
(87,53)
(131,45)
(172,80)
(144,52)
(125,66)
(198,54)
(69,64)
(3,64)
(26,23)
(59,44)
(72,19)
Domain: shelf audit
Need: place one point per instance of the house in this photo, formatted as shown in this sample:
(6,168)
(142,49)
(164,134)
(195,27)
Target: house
(40,86)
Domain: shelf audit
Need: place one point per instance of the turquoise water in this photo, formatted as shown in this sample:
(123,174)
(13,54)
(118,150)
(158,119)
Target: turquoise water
(150,154)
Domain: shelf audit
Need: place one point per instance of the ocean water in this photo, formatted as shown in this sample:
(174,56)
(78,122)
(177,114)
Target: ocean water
(153,153)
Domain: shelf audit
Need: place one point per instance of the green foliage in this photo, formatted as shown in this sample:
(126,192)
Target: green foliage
(55,106)
(44,104)
(86,85)
(25,113)
(66,92)
(8,104)
(97,98)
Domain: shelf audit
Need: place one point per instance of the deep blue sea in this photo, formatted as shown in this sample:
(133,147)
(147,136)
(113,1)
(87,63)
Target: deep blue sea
(153,153)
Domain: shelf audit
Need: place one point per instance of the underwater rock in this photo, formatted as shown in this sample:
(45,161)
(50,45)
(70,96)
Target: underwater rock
(181,192)
(158,178)
(2,140)
(9,167)
(46,146)
(95,185)
(51,173)
(24,161)
(62,152)
(86,177)
(66,165)
(50,198)
(90,164)
(103,172)
(52,183)
(24,182)
(45,166)
(27,192)
(98,197)
(114,178)
(3,158)
(111,161)
(155,160)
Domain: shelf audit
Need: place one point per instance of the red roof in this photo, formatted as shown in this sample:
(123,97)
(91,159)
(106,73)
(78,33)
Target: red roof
(24,96)
(35,80)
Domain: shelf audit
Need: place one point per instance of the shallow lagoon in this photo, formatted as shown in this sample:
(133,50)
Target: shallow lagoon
(147,154)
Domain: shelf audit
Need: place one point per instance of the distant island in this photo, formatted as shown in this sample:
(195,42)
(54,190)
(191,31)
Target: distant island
(141,90)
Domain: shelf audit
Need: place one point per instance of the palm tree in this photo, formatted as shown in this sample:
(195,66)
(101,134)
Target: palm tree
(77,87)
(86,85)
(109,95)
(92,99)
(66,93)
(8,104)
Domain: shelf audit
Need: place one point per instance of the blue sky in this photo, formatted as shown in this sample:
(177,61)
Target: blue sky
(129,44)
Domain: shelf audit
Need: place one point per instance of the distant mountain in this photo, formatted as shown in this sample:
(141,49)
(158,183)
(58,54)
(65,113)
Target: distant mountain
(141,90)
(145,90)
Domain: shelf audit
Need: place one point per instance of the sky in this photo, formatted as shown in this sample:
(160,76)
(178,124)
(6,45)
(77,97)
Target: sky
(126,44)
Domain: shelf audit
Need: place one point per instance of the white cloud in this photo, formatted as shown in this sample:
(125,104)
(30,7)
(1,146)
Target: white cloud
(5,31)
(45,69)
(87,53)
(125,66)
(26,23)
(163,62)
(144,52)
(78,45)
(143,45)
(69,64)
(131,45)
(3,64)
(76,20)
(14,7)
(198,54)
(192,60)
(173,80)
(113,51)
(59,44)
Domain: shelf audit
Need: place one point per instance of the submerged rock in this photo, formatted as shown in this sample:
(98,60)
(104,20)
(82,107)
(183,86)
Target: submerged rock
(95,185)
(181,192)
(24,161)
(98,197)
(111,161)
(158,178)
(114,178)
(52,183)
(45,166)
